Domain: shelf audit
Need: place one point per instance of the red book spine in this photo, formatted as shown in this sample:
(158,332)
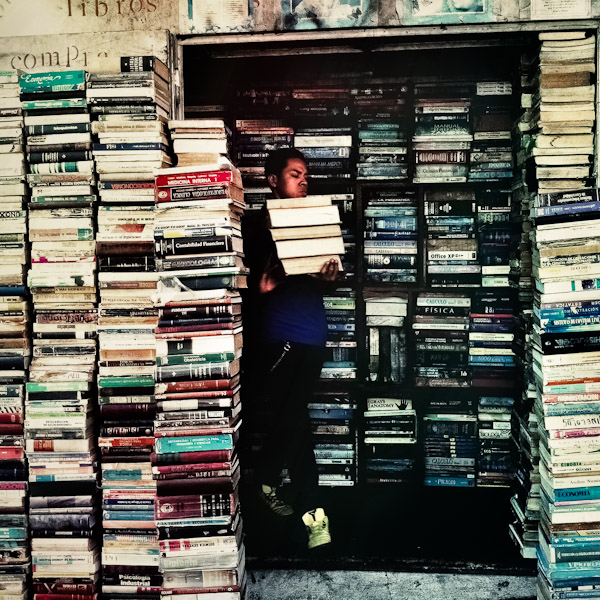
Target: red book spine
(205,384)
(194,178)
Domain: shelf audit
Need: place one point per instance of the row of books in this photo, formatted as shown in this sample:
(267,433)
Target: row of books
(15,345)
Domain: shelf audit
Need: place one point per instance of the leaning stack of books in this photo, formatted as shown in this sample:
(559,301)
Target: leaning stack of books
(199,141)
(340,360)
(564,105)
(452,258)
(334,432)
(306,232)
(443,132)
(15,347)
(525,502)
(491,154)
(391,234)
(386,336)
(390,437)
(382,132)
(199,343)
(494,463)
(60,440)
(440,326)
(566,349)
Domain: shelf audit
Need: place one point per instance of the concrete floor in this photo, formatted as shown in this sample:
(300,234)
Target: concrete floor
(380,585)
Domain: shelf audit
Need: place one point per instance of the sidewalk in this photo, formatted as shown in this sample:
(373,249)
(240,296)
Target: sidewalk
(381,585)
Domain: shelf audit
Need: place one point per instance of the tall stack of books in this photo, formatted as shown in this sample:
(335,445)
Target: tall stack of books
(443,132)
(340,360)
(491,153)
(59,430)
(333,425)
(386,337)
(566,349)
(391,236)
(199,141)
(323,129)
(15,347)
(440,327)
(564,106)
(382,131)
(452,257)
(525,502)
(306,233)
(199,344)
(390,438)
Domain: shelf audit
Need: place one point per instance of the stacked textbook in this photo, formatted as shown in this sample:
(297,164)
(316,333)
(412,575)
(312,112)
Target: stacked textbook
(306,233)
(14,343)
(60,405)
(130,109)
(566,347)
(199,344)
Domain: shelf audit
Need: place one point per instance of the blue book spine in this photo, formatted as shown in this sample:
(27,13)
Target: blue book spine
(128,515)
(576,494)
(130,146)
(394,223)
(450,481)
(566,209)
(556,314)
(571,408)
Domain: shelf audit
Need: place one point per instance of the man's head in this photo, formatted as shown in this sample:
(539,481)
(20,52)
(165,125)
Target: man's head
(286,173)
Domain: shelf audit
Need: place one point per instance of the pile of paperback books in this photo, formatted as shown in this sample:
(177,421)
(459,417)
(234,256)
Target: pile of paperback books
(14,343)
(198,347)
(59,407)
(566,350)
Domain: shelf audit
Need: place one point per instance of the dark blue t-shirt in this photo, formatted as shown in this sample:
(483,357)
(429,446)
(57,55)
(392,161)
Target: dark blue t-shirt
(294,312)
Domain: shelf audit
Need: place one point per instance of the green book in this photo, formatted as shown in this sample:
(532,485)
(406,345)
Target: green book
(53,81)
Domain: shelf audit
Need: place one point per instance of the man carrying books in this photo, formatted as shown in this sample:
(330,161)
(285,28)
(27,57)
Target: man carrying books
(293,331)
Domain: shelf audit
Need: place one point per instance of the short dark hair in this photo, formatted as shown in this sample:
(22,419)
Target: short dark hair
(278,159)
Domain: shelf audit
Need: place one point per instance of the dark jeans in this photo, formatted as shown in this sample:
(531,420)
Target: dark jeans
(290,372)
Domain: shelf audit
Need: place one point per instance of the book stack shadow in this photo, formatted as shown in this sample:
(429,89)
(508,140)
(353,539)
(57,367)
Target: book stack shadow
(131,109)
(199,345)
(60,403)
(566,350)
(15,348)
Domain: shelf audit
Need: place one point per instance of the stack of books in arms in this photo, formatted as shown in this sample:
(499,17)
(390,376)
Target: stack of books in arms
(452,252)
(391,236)
(440,327)
(306,232)
(564,108)
(15,348)
(323,118)
(386,336)
(256,137)
(340,359)
(443,132)
(199,344)
(491,153)
(59,431)
(382,131)
(566,347)
(334,430)
(390,438)
(130,110)
(524,437)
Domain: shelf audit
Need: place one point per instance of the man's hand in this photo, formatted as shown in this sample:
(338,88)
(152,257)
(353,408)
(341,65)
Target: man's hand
(266,284)
(329,271)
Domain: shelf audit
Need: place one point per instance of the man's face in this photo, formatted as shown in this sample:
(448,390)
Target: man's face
(293,181)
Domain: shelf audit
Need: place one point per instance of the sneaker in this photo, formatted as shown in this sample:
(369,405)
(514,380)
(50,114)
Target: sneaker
(317,525)
(276,504)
